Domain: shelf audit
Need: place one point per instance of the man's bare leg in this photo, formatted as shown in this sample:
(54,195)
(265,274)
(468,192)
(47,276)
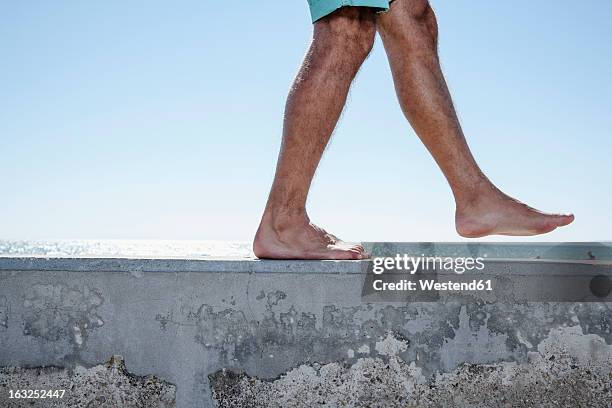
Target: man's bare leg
(409,33)
(341,42)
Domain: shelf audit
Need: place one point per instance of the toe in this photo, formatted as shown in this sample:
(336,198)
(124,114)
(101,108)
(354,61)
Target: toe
(346,254)
(560,220)
(565,219)
(362,252)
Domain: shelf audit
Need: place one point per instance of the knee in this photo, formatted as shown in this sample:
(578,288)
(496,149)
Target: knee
(424,15)
(347,33)
(412,18)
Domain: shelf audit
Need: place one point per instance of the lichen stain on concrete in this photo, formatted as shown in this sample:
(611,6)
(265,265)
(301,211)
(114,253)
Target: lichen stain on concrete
(292,334)
(568,369)
(474,345)
(441,335)
(165,319)
(227,330)
(275,297)
(289,334)
(104,386)
(58,312)
(596,318)
(3,313)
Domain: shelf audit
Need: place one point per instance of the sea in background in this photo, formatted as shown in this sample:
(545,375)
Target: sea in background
(193,249)
(126,248)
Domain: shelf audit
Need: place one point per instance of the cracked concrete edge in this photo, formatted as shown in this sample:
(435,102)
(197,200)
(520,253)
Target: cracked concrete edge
(568,369)
(250,265)
(106,385)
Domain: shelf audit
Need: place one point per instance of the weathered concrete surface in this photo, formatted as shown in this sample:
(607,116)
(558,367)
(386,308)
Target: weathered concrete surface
(186,320)
(103,386)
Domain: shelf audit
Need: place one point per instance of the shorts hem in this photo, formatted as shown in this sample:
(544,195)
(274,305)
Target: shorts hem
(322,8)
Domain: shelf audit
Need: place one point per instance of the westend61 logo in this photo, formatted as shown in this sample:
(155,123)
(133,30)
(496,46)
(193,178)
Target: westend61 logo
(413,264)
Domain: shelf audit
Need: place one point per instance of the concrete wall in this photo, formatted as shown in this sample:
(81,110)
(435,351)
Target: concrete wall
(280,333)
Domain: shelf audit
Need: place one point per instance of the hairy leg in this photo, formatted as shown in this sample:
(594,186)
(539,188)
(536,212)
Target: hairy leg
(409,32)
(341,43)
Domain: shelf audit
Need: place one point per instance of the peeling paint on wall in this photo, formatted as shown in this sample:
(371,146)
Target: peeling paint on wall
(441,336)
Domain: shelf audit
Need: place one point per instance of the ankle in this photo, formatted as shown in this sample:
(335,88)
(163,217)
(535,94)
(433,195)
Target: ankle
(282,219)
(474,195)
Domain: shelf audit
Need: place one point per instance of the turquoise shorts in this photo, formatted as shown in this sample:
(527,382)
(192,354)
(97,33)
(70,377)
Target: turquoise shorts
(321,8)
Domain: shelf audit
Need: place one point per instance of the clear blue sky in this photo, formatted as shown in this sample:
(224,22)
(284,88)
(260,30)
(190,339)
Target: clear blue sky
(151,119)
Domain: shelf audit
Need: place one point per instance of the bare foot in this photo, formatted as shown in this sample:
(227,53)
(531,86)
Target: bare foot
(298,238)
(494,213)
